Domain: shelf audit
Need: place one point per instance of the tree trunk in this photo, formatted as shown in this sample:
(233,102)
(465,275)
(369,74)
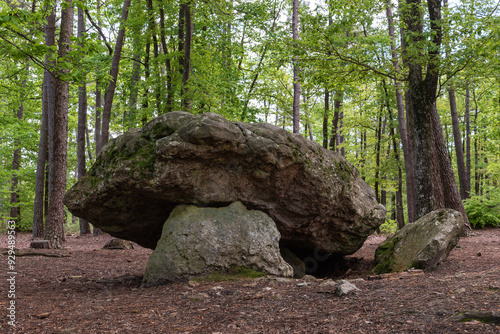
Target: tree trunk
(54,228)
(110,93)
(421,98)
(296,79)
(14,192)
(186,74)
(467,140)
(477,181)
(407,153)
(462,173)
(451,195)
(325,119)
(129,115)
(82,123)
(48,96)
(378,136)
(335,122)
(168,67)
(156,53)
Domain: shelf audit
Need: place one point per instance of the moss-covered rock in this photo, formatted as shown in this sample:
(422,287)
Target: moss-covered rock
(198,241)
(315,197)
(422,244)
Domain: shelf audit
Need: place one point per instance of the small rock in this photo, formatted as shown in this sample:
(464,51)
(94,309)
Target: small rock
(345,288)
(309,278)
(267,288)
(304,284)
(327,283)
(217,288)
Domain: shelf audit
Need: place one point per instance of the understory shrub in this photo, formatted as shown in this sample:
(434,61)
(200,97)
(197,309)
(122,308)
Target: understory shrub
(484,211)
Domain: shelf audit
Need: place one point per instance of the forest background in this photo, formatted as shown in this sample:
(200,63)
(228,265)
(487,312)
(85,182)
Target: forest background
(75,73)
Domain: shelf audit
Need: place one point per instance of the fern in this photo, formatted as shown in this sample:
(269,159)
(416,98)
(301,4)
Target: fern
(484,211)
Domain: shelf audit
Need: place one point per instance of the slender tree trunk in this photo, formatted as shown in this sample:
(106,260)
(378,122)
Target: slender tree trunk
(189,23)
(181,35)
(168,67)
(54,228)
(14,192)
(467,140)
(462,173)
(408,158)
(325,119)
(337,104)
(377,154)
(98,118)
(129,115)
(296,79)
(48,96)
(156,53)
(82,123)
(110,93)
(477,181)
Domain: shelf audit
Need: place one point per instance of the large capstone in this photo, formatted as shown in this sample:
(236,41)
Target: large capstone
(315,197)
(197,241)
(422,244)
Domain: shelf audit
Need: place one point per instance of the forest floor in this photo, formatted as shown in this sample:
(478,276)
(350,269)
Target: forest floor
(87,289)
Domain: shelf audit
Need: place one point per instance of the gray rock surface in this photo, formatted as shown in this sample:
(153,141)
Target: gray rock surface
(196,241)
(422,244)
(345,288)
(315,197)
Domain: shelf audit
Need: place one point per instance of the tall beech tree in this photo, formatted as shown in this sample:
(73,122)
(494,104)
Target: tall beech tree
(430,154)
(54,227)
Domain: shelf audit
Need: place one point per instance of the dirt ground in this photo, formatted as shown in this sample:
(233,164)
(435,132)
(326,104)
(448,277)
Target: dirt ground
(91,290)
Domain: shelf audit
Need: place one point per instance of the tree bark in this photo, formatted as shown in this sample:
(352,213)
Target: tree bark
(186,74)
(337,104)
(407,153)
(115,65)
(462,173)
(156,53)
(54,228)
(325,118)
(451,195)
(168,67)
(82,123)
(296,79)
(48,96)
(421,98)
(467,140)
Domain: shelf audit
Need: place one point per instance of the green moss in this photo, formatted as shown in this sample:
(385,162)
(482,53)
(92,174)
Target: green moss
(231,274)
(159,130)
(384,256)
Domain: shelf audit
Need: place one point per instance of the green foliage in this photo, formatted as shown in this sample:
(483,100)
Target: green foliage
(484,211)
(388,227)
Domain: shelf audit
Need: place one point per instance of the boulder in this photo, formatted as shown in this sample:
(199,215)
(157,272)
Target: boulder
(315,197)
(196,241)
(422,244)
